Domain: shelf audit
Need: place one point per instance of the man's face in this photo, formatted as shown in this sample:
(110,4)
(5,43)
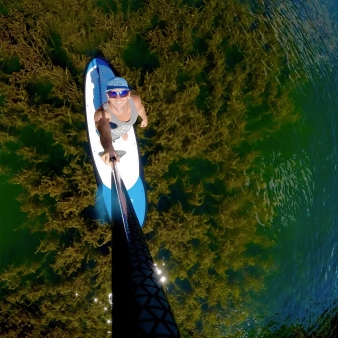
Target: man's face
(118,98)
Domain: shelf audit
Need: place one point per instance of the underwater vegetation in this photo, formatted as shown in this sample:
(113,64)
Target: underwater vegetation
(214,83)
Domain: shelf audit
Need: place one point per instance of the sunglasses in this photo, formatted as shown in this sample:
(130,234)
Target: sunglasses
(122,94)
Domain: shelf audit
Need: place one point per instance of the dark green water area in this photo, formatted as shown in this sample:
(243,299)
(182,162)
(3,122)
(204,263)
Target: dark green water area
(240,158)
(13,241)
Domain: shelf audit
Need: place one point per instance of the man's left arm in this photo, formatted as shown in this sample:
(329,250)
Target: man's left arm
(140,110)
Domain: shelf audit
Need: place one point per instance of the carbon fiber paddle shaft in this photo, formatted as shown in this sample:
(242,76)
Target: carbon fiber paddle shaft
(140,307)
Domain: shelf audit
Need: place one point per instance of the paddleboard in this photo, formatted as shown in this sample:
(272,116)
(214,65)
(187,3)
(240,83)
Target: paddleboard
(97,73)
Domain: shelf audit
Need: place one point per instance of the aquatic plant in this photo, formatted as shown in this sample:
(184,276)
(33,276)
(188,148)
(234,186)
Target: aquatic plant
(42,132)
(218,86)
(213,81)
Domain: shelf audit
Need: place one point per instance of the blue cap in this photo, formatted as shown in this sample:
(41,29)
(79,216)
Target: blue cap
(117,82)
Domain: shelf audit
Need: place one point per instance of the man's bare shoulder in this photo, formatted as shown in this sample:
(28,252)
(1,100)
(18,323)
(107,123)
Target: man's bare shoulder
(98,114)
(137,100)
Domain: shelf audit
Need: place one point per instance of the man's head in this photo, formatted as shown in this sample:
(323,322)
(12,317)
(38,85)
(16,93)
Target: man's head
(118,93)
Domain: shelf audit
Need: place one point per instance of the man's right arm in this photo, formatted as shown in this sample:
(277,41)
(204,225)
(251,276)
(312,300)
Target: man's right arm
(102,124)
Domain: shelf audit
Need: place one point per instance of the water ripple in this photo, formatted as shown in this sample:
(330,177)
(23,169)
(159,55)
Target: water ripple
(289,186)
(306,33)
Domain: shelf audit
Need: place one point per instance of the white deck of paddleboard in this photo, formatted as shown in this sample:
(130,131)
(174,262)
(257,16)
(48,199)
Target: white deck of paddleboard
(129,163)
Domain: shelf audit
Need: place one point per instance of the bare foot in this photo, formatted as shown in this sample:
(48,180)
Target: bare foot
(125,137)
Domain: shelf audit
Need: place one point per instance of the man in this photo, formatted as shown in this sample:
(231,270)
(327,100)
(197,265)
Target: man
(116,116)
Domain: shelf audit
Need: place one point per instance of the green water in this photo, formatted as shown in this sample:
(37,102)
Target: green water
(299,165)
(17,245)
